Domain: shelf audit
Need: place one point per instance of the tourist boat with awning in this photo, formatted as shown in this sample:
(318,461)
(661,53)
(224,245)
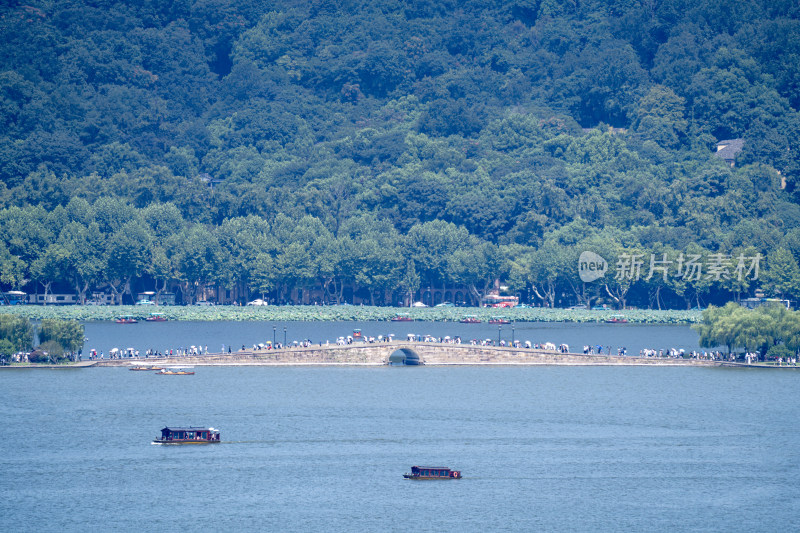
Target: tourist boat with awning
(470,319)
(432,472)
(188,435)
(156,317)
(127,319)
(402,317)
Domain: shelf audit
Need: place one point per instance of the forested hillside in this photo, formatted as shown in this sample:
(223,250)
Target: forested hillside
(383,145)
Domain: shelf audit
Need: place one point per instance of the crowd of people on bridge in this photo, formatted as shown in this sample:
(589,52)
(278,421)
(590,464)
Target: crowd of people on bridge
(676,353)
(588,349)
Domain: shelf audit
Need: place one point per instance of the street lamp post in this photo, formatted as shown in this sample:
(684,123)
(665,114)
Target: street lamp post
(499,329)
(512,334)
(284,336)
(273,337)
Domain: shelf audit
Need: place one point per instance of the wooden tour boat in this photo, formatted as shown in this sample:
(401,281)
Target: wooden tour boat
(127,319)
(470,319)
(499,320)
(156,317)
(432,472)
(188,435)
(617,319)
(402,317)
(176,371)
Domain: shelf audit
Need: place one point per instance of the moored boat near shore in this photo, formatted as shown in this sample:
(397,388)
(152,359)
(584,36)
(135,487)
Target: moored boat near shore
(188,435)
(432,472)
(176,371)
(145,367)
(402,317)
(470,319)
(127,319)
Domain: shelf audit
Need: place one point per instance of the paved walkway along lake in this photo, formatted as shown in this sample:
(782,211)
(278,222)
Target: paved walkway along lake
(429,354)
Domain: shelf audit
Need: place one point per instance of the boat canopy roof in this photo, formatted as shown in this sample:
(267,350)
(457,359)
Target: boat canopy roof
(173,429)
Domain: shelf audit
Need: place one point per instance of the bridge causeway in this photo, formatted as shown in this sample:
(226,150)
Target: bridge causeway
(430,353)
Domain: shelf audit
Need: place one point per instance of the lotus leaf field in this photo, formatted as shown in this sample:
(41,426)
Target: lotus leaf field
(347,312)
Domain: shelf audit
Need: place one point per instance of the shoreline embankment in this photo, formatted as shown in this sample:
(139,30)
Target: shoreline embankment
(431,354)
(378,354)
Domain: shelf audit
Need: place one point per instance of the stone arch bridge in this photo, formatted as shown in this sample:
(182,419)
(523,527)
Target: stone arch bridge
(429,353)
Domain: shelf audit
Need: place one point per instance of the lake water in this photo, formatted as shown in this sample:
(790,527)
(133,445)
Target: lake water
(325,448)
(161,336)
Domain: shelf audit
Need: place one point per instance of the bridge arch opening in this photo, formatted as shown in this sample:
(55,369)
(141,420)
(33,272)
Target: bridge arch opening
(404,356)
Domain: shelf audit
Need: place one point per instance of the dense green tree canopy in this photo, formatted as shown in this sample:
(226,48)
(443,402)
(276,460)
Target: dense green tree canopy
(269,146)
(16,332)
(68,334)
(757,331)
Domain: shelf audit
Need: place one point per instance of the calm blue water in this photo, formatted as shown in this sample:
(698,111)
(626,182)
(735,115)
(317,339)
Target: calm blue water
(324,449)
(161,336)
